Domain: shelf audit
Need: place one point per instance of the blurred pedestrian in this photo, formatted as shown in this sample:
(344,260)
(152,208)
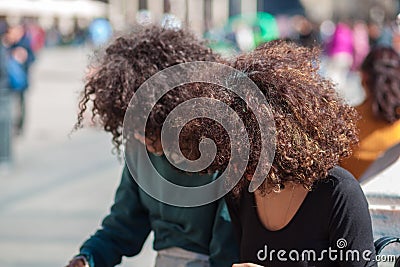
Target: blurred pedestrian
(37,35)
(361,43)
(20,59)
(5,106)
(306,34)
(340,54)
(184,236)
(53,35)
(380,123)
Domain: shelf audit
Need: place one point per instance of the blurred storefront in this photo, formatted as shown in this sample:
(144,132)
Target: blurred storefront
(200,15)
(61,18)
(320,10)
(48,10)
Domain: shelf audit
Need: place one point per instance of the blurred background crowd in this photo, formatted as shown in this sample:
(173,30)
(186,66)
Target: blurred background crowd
(43,57)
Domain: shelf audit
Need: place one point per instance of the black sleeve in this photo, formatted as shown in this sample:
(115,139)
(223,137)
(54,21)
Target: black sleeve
(223,249)
(350,228)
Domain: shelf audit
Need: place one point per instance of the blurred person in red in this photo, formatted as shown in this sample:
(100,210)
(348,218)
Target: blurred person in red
(37,36)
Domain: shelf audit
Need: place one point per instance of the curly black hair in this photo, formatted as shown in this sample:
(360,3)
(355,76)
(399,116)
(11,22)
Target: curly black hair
(382,69)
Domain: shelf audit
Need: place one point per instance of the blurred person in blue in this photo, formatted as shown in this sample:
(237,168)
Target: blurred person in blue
(3,56)
(20,57)
(183,236)
(100,31)
(5,106)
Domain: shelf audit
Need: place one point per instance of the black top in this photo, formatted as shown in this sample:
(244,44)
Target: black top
(333,221)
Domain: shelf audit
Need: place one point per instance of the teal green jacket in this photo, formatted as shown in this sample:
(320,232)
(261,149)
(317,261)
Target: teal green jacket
(206,229)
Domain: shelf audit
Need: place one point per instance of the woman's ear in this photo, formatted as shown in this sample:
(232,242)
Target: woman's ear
(364,82)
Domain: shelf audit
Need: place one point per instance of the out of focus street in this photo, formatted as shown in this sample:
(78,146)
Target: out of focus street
(59,187)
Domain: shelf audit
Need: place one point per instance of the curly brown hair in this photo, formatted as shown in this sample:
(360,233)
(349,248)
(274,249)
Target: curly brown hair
(314,127)
(126,64)
(382,69)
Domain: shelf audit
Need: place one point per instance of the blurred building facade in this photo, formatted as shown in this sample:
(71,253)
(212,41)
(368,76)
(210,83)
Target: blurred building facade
(64,15)
(52,9)
(319,10)
(200,15)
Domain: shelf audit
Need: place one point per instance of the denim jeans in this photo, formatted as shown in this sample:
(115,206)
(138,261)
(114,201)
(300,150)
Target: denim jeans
(177,257)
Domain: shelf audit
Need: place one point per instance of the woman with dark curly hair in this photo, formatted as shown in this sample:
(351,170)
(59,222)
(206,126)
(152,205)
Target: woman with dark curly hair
(193,236)
(309,211)
(380,123)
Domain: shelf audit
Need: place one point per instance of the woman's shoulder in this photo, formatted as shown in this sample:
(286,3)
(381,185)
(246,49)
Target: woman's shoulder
(341,176)
(340,182)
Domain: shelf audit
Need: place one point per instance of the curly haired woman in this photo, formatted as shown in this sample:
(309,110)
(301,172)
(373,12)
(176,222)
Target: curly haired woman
(198,236)
(309,211)
(380,123)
